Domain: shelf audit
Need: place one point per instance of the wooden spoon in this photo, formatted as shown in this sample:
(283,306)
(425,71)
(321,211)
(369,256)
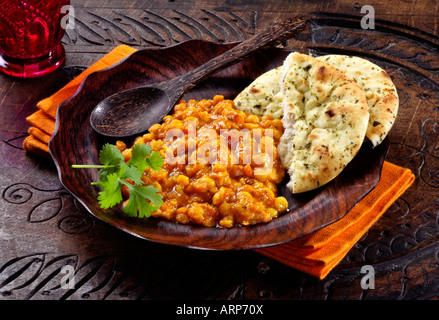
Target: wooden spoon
(131,112)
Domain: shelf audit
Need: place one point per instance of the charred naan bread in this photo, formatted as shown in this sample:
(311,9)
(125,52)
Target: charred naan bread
(325,117)
(263,95)
(379,90)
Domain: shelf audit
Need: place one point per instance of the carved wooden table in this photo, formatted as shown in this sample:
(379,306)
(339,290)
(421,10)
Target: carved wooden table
(42,229)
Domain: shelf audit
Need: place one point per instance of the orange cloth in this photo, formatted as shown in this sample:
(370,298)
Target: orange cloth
(43,121)
(317,253)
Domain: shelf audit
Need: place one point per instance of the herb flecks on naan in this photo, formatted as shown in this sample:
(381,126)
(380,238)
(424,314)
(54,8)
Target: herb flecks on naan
(325,116)
(379,89)
(263,96)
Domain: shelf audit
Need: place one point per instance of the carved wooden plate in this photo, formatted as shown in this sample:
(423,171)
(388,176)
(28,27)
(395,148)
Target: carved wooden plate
(74,142)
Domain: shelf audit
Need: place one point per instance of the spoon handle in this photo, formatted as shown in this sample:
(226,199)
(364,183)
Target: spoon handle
(275,33)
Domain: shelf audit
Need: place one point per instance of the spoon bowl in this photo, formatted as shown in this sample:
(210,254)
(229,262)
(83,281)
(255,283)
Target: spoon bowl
(145,104)
(132,112)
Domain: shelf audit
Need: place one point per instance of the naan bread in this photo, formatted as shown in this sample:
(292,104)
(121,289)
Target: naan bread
(379,90)
(325,117)
(263,95)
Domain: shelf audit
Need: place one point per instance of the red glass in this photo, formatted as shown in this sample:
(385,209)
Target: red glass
(30,37)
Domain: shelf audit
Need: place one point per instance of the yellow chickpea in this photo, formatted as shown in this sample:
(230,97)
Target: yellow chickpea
(183,180)
(126,154)
(148,137)
(157,186)
(154,128)
(251,118)
(167,119)
(272,212)
(195,213)
(226,223)
(281,204)
(121,145)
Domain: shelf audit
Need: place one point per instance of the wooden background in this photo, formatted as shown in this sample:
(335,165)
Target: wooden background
(42,229)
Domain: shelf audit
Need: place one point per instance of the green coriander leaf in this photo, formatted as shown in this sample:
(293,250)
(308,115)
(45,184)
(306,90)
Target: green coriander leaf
(114,173)
(110,155)
(139,152)
(155,161)
(138,205)
(111,193)
(105,172)
(111,186)
(127,172)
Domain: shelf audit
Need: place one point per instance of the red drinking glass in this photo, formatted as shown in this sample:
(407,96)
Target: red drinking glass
(30,37)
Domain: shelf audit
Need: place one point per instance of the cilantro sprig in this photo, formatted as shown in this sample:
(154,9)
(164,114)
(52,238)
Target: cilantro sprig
(114,173)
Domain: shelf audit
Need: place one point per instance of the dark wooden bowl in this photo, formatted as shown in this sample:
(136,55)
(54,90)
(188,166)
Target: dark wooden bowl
(74,142)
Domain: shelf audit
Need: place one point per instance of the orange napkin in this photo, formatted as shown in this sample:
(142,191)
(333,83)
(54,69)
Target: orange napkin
(317,253)
(43,121)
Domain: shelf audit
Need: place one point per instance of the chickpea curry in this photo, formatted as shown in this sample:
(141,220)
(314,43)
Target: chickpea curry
(221,166)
